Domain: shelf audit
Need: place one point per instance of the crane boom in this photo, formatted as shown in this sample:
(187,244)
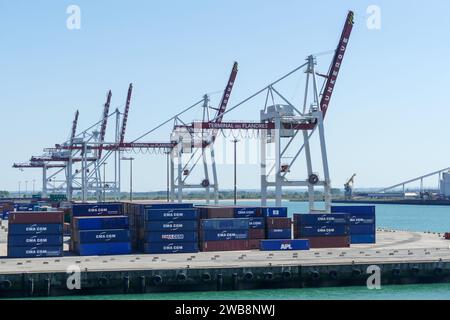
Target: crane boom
(226,94)
(74,127)
(125,115)
(336,63)
(104,123)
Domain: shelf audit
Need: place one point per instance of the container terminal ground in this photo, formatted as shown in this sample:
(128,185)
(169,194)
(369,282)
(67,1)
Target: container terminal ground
(403,257)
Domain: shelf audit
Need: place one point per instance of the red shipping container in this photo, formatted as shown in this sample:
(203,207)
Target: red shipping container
(213,213)
(254,244)
(256,233)
(328,242)
(44,217)
(226,245)
(278,223)
(447,236)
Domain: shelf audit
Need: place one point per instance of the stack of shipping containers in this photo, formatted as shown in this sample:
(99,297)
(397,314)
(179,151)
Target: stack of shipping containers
(5,208)
(170,230)
(362,222)
(86,241)
(224,234)
(323,230)
(101,235)
(35,234)
(162,227)
(230,228)
(278,228)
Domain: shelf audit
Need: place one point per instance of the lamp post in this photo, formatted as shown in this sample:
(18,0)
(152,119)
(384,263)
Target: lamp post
(104,181)
(168,177)
(131,175)
(235,141)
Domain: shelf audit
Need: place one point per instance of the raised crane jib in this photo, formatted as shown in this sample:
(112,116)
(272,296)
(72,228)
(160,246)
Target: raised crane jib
(74,127)
(104,123)
(125,115)
(226,94)
(336,63)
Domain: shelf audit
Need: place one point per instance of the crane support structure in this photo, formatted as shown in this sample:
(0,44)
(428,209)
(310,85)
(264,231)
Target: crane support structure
(289,120)
(186,142)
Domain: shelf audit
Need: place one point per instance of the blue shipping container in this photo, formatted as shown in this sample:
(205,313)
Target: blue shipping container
(362,238)
(327,230)
(322,219)
(23,207)
(362,229)
(171,214)
(277,212)
(279,234)
(94,249)
(360,210)
(97,209)
(98,236)
(188,236)
(33,229)
(257,223)
(180,225)
(218,235)
(101,223)
(171,247)
(246,212)
(34,252)
(361,219)
(276,245)
(229,224)
(35,240)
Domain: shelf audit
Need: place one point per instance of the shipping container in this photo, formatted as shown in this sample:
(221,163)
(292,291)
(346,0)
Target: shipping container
(219,235)
(188,236)
(226,245)
(34,252)
(246,212)
(282,245)
(256,234)
(97,209)
(362,229)
(216,213)
(322,219)
(100,223)
(360,210)
(257,223)
(362,238)
(35,229)
(279,233)
(171,214)
(98,236)
(180,225)
(170,247)
(318,230)
(280,212)
(278,223)
(35,240)
(329,242)
(361,219)
(254,244)
(97,249)
(36,217)
(229,224)
(22,207)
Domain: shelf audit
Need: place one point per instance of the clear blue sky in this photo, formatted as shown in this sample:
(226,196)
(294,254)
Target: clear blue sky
(388,119)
